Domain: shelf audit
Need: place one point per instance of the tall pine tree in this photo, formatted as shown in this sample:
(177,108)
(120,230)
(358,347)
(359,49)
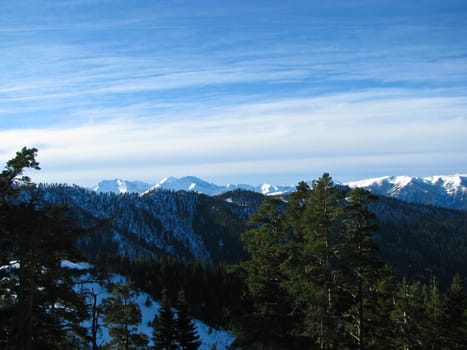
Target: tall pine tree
(164,327)
(362,268)
(454,317)
(322,225)
(46,311)
(122,315)
(187,338)
(270,318)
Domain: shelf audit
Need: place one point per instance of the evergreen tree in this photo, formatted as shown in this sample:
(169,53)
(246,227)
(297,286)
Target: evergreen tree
(11,181)
(322,225)
(187,338)
(408,317)
(270,318)
(122,315)
(164,327)
(362,268)
(454,317)
(46,311)
(433,310)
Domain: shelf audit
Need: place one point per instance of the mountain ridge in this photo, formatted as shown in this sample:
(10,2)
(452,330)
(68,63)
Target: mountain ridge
(447,191)
(186,183)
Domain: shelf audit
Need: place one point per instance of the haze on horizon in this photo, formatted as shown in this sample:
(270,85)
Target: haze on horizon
(234,92)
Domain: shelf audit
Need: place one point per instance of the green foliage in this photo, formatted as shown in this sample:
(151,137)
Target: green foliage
(453,319)
(10,180)
(212,292)
(39,307)
(164,334)
(267,293)
(122,315)
(315,280)
(361,270)
(187,338)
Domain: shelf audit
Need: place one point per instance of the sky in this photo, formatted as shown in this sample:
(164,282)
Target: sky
(237,91)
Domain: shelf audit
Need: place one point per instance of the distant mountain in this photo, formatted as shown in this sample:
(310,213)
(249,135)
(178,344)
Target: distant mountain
(191,226)
(121,186)
(448,191)
(187,183)
(443,191)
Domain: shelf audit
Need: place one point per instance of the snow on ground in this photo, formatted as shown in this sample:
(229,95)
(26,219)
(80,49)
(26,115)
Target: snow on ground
(149,308)
(66,264)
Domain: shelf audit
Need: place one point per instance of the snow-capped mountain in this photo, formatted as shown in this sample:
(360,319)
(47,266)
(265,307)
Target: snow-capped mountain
(187,183)
(449,191)
(121,186)
(190,184)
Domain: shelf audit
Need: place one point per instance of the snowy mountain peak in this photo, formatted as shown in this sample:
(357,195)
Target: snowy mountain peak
(121,186)
(452,183)
(187,183)
(443,190)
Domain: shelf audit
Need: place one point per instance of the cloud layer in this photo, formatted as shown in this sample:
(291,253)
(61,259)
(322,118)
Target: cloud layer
(239,93)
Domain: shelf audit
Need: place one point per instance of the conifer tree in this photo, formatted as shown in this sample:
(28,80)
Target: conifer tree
(265,242)
(12,179)
(164,327)
(362,268)
(38,238)
(433,310)
(187,338)
(323,228)
(454,317)
(122,315)
(408,317)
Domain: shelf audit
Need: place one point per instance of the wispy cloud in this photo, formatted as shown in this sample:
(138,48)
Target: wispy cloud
(286,135)
(155,89)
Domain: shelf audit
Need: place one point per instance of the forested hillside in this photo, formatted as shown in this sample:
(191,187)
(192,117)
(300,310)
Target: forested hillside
(315,278)
(184,225)
(416,240)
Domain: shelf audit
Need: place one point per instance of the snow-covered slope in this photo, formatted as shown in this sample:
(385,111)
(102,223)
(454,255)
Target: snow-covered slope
(209,337)
(121,186)
(187,183)
(449,191)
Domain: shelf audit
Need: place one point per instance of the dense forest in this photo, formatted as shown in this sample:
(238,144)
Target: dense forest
(325,268)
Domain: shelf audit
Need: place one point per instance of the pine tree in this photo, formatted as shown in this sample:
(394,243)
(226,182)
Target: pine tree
(322,225)
(408,316)
(164,327)
(362,268)
(187,338)
(38,238)
(433,310)
(122,315)
(270,317)
(10,181)
(454,317)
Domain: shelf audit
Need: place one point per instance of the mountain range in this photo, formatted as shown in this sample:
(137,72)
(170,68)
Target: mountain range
(190,226)
(187,183)
(449,191)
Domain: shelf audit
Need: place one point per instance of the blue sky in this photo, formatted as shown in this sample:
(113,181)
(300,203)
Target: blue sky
(234,91)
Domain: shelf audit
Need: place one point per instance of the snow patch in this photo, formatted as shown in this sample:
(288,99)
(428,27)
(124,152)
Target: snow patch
(209,336)
(82,266)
